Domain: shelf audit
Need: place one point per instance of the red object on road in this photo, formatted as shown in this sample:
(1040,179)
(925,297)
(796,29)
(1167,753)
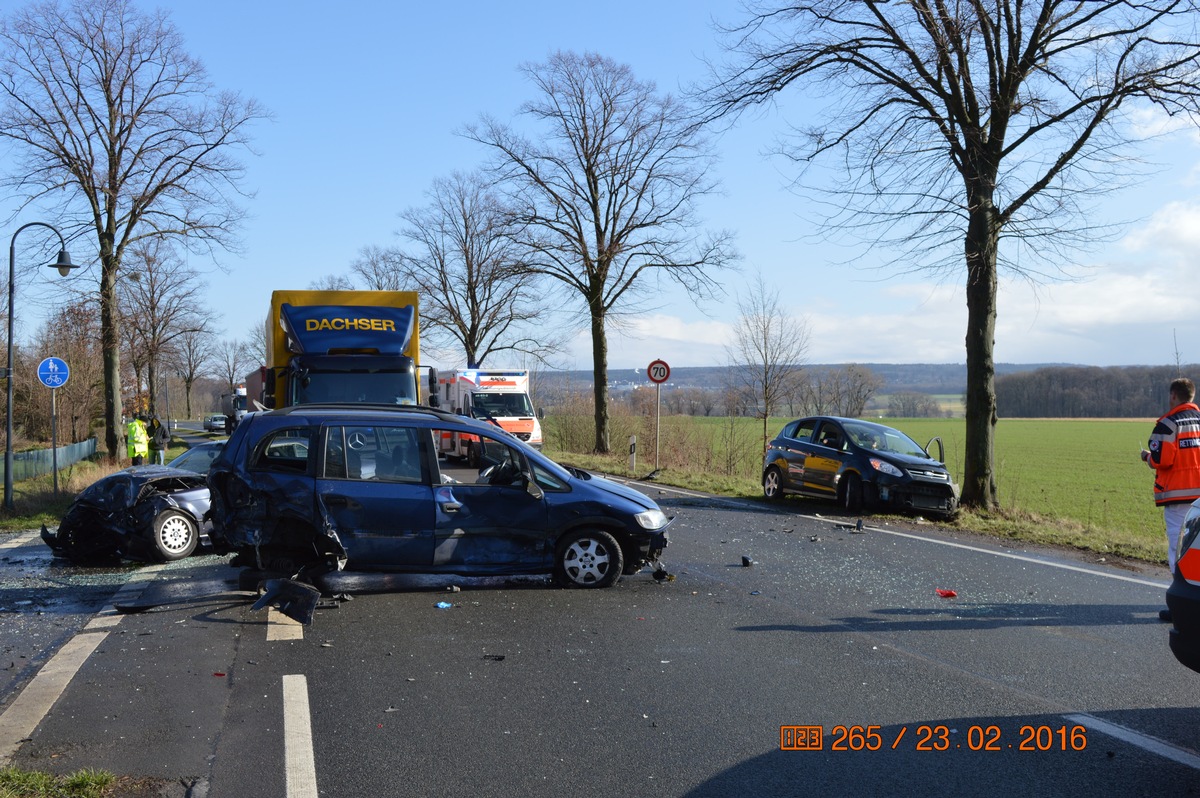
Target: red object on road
(946,593)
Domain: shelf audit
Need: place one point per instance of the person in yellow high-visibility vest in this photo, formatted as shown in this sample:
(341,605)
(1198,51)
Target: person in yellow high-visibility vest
(136,440)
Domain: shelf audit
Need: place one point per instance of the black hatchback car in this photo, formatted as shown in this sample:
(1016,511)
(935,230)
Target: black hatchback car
(860,464)
(375,488)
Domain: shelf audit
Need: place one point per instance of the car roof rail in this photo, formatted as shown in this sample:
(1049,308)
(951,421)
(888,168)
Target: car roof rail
(370,407)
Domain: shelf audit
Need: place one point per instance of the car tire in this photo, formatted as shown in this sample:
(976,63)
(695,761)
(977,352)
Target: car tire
(175,535)
(772,483)
(588,558)
(472,455)
(852,493)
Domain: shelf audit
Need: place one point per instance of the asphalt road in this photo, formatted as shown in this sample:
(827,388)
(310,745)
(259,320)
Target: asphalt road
(1043,675)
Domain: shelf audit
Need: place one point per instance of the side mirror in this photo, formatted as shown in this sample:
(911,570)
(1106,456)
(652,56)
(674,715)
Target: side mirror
(541,413)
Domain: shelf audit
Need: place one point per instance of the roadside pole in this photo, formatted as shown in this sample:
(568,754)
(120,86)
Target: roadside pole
(659,372)
(54,373)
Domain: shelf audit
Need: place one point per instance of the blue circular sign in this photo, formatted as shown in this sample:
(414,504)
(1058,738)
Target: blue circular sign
(53,372)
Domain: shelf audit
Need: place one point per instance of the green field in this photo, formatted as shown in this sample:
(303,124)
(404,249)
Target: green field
(1070,482)
(1086,470)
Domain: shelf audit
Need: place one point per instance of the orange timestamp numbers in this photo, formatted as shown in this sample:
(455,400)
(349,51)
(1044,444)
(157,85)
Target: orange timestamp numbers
(932,738)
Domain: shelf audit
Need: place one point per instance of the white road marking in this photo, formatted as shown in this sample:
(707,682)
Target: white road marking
(1023,558)
(21,717)
(300,767)
(19,539)
(979,549)
(108,615)
(27,710)
(281,627)
(1143,741)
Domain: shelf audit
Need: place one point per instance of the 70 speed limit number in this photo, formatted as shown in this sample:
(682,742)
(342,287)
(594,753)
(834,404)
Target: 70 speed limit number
(658,371)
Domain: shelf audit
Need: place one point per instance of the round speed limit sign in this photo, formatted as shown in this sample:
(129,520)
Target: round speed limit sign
(658,371)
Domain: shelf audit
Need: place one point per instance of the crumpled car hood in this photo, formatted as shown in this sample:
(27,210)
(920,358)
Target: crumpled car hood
(115,514)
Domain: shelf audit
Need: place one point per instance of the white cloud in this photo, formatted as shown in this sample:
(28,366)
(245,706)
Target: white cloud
(1174,228)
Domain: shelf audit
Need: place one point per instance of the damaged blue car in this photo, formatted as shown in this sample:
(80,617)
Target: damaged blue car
(317,489)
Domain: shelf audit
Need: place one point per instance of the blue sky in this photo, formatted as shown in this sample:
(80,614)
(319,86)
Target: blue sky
(367,97)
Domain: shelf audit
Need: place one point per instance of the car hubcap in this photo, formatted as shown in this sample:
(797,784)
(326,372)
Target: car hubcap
(175,534)
(586,561)
(771,483)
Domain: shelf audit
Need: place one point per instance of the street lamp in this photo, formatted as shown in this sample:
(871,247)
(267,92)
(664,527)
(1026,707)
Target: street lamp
(64,266)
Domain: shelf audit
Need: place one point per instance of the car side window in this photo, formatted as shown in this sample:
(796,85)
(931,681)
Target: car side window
(284,450)
(546,480)
(831,437)
(804,430)
(498,463)
(398,458)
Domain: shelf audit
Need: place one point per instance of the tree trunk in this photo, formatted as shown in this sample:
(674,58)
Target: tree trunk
(151,387)
(600,379)
(112,357)
(982,242)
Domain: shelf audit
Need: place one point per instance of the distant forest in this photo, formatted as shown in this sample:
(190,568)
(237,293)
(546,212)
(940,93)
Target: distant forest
(1088,391)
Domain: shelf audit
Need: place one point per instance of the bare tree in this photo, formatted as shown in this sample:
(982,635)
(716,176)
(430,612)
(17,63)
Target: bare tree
(606,197)
(476,295)
(767,351)
(332,282)
(230,359)
(818,396)
(379,269)
(134,362)
(854,387)
(119,126)
(957,124)
(193,357)
(910,404)
(258,345)
(73,334)
(160,301)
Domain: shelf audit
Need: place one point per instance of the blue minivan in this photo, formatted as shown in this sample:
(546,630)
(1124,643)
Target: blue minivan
(376,488)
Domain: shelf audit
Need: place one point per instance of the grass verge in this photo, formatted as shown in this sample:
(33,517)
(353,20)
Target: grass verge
(17,783)
(1138,542)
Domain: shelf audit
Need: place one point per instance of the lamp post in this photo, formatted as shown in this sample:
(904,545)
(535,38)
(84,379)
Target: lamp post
(64,266)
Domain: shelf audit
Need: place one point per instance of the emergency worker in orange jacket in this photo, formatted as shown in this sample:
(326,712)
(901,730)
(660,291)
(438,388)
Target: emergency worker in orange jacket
(1174,454)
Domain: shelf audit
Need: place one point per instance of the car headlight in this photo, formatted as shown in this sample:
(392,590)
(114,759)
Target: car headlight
(883,466)
(651,519)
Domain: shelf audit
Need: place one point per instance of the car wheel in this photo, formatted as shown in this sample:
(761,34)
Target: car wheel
(852,493)
(472,455)
(773,483)
(590,558)
(175,535)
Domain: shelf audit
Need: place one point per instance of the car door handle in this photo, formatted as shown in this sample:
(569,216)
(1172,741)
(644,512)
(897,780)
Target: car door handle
(451,507)
(337,501)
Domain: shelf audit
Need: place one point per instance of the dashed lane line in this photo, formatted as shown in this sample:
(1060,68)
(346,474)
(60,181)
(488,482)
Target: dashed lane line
(19,539)
(22,716)
(980,549)
(281,627)
(301,769)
